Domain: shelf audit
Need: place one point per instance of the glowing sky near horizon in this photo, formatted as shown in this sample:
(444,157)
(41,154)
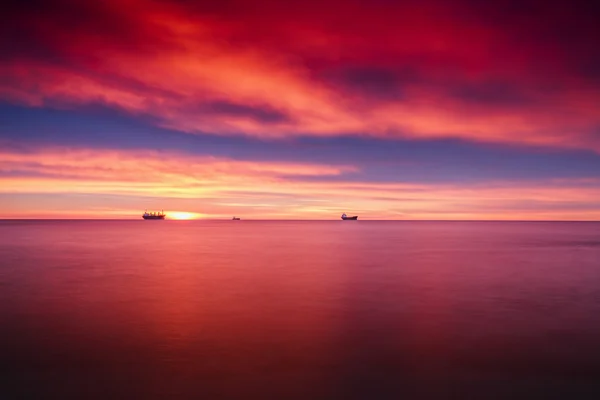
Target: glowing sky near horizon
(275,109)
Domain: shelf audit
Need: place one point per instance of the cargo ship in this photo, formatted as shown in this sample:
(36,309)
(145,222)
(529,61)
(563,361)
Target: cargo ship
(154,215)
(347,218)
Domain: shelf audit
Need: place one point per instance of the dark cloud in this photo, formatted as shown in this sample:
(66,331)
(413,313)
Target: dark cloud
(263,114)
(559,34)
(378,82)
(54,31)
(492,93)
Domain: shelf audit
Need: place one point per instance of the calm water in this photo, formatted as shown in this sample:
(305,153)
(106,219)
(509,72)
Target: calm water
(307,310)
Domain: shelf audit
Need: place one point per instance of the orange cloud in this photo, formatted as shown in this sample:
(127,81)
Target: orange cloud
(215,188)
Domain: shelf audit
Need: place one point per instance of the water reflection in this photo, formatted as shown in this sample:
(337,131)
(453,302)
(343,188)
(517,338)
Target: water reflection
(299,309)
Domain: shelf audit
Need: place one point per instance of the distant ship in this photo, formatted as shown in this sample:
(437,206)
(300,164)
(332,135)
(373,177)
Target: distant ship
(154,215)
(347,218)
(236,218)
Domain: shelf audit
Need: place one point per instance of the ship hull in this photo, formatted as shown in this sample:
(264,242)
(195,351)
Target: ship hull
(350,218)
(153,216)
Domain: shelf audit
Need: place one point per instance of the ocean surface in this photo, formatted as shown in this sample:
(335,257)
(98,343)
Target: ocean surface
(299,309)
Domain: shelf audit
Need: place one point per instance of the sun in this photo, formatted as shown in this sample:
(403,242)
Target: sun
(182,215)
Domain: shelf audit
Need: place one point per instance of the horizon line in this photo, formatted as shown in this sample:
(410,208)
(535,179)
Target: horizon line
(291,219)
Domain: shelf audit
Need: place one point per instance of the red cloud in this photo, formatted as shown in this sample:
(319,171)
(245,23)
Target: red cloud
(273,69)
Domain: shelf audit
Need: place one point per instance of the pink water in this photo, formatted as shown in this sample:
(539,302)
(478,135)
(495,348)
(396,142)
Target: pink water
(299,309)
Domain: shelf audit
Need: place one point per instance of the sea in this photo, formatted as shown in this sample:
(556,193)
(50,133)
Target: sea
(134,309)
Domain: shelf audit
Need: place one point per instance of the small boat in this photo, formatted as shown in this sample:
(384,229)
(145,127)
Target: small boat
(236,218)
(347,218)
(154,215)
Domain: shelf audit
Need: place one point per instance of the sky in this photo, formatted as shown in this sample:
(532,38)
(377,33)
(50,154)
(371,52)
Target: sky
(270,109)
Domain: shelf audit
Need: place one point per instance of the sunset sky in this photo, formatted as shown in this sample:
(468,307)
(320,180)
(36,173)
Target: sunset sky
(384,109)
